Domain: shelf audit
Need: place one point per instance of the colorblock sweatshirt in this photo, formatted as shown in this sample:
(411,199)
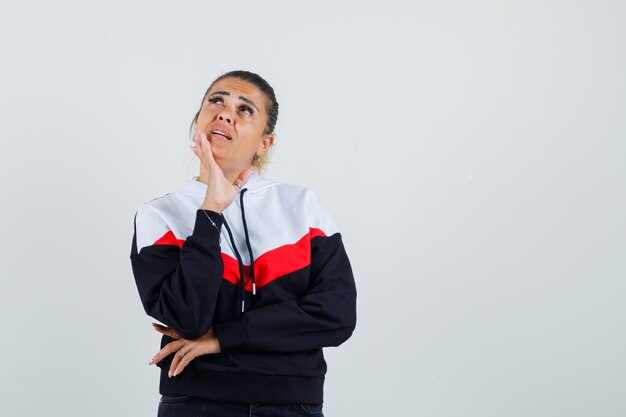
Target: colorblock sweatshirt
(271,276)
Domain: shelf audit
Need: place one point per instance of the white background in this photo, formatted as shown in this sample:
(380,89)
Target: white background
(472,153)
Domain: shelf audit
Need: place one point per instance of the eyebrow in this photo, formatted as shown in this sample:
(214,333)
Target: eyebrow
(242,98)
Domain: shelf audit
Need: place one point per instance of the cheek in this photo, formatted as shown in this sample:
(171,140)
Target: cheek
(206,115)
(203,119)
(249,142)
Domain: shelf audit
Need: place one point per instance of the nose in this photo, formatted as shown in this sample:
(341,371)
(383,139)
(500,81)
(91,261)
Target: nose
(225,116)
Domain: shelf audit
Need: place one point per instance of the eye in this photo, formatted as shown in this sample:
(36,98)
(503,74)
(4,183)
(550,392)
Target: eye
(245,107)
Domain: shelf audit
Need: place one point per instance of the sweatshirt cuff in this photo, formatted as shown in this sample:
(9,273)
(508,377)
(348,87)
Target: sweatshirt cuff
(231,334)
(208,223)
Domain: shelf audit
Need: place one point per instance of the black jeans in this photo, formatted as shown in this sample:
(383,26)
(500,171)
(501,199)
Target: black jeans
(185,406)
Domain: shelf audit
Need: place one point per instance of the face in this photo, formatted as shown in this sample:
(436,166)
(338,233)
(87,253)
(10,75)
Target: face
(237,109)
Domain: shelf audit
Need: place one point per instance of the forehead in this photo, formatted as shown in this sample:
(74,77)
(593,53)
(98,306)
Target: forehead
(237,87)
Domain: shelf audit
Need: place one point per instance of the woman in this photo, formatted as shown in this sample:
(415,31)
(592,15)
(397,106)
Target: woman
(249,275)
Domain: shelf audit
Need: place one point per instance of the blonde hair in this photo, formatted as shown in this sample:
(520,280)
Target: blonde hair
(259,163)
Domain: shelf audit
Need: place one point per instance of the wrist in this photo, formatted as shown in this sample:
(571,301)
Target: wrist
(206,221)
(212,206)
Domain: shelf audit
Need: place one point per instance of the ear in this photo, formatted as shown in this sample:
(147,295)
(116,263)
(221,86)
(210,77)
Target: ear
(265,144)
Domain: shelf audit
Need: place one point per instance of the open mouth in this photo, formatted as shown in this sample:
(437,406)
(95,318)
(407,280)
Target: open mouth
(220,133)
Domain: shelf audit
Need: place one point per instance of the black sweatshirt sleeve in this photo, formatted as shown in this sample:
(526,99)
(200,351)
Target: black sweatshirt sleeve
(178,285)
(325,316)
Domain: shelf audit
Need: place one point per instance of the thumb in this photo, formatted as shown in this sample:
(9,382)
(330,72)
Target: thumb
(244,176)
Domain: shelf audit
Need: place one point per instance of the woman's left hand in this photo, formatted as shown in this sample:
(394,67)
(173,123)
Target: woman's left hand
(203,345)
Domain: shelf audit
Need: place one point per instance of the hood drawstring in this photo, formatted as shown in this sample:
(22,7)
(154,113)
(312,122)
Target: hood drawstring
(239,260)
(245,229)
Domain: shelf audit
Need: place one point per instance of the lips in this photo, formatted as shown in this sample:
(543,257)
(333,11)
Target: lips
(219,134)
(221,130)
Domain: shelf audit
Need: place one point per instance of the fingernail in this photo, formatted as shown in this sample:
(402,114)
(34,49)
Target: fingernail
(151,361)
(169,374)
(175,373)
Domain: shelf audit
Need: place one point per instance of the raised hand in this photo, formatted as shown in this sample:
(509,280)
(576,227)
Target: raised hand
(220,191)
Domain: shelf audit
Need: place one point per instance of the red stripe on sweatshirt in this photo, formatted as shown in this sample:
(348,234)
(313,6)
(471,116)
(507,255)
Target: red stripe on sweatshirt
(169,239)
(267,267)
(274,263)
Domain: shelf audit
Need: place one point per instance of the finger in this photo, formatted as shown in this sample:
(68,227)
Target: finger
(174,363)
(176,360)
(195,143)
(165,330)
(206,150)
(184,361)
(167,350)
(199,147)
